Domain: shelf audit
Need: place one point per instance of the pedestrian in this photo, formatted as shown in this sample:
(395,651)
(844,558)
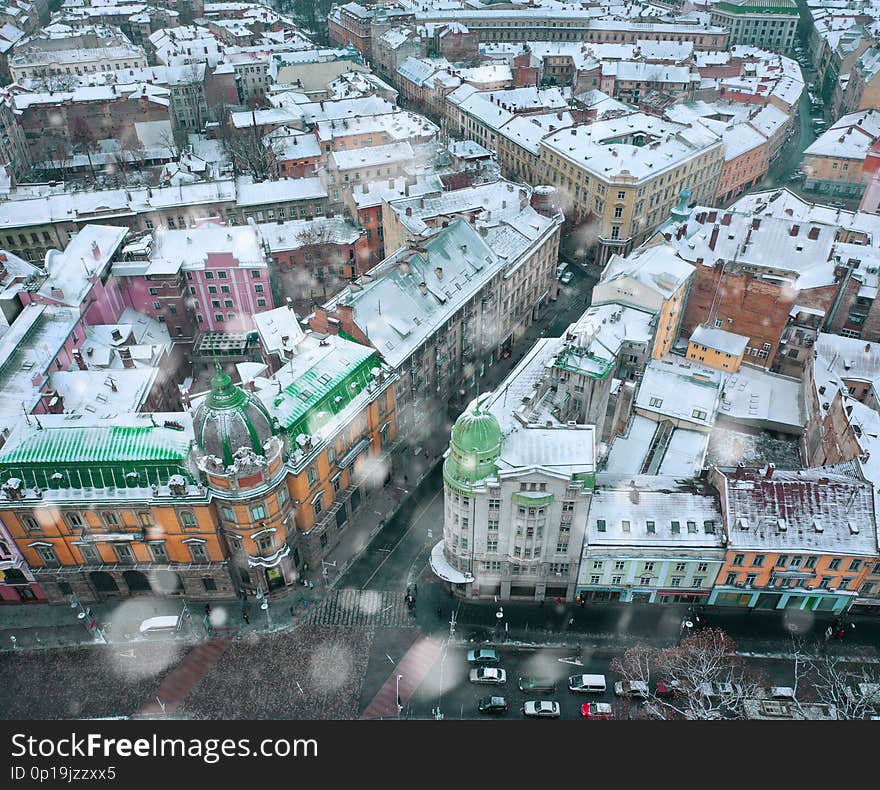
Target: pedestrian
(571,621)
(583,603)
(415,589)
(292,612)
(405,480)
(207,610)
(559,601)
(245,615)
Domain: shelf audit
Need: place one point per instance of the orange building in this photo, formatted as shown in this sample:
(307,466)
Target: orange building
(794,540)
(717,348)
(236,496)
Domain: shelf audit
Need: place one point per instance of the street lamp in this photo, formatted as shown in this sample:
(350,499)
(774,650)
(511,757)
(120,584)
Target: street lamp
(399,705)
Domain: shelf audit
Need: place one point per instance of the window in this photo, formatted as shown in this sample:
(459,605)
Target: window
(47,555)
(702,567)
(158,551)
(598,565)
(679,567)
(650,527)
(692,527)
(188,519)
(810,562)
(645,580)
(75,520)
(145,518)
(30,524)
(124,554)
(656,402)
(111,519)
(676,581)
(228,514)
(197,552)
(625,525)
(823,584)
(600,525)
(834,564)
(492,546)
(90,554)
(258,512)
(317,507)
(595,579)
(697,582)
(731,579)
(844,583)
(698,414)
(676,527)
(759,560)
(855,565)
(751,578)
(739,559)
(209,275)
(709,527)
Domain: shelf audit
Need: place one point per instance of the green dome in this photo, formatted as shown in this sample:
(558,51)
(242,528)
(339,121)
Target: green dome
(230,418)
(475,444)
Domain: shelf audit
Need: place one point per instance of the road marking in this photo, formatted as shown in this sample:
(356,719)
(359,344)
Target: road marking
(403,537)
(389,658)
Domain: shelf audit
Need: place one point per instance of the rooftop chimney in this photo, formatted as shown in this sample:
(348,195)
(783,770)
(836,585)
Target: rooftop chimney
(813,234)
(795,229)
(756,223)
(740,471)
(713,238)
(768,472)
(725,220)
(125,356)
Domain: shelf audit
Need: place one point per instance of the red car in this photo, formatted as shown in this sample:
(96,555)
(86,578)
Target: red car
(597,710)
(668,688)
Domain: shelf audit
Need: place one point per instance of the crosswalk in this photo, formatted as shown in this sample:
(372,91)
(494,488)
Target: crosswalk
(372,608)
(408,675)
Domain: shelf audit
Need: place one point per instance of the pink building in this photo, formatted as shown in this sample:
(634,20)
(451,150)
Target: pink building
(17,583)
(211,278)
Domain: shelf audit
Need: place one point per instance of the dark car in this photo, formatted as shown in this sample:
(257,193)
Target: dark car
(482,655)
(537,684)
(497,705)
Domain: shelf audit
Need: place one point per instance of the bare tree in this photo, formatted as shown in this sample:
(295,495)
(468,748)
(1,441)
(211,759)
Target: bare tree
(853,690)
(83,138)
(249,155)
(705,678)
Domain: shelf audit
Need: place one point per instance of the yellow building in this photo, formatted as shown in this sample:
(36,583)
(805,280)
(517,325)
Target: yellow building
(717,348)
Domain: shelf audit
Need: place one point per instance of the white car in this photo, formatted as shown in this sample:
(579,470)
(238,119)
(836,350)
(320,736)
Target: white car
(566,278)
(544,709)
(636,689)
(488,675)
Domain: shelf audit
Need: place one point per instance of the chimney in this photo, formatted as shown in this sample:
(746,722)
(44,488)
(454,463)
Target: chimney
(125,356)
(714,237)
(813,234)
(740,471)
(439,272)
(409,211)
(867,348)
(768,472)
(423,288)
(78,358)
(713,216)
(633,492)
(794,230)
(756,223)
(559,116)
(725,220)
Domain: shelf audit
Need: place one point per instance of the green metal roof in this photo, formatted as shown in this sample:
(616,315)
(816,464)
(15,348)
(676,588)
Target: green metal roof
(474,447)
(313,398)
(99,445)
(757,7)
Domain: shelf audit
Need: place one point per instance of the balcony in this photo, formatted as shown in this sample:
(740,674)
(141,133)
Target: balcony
(268,560)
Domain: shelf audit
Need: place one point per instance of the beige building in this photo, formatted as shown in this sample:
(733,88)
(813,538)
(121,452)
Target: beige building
(78,55)
(622,177)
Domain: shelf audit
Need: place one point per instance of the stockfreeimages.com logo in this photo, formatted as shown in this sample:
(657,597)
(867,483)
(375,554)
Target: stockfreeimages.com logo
(210,750)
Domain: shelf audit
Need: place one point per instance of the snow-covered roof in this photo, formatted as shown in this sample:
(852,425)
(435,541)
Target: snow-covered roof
(720,340)
(663,145)
(809,509)
(681,511)
(676,389)
(850,137)
(372,156)
(762,399)
(657,267)
(279,330)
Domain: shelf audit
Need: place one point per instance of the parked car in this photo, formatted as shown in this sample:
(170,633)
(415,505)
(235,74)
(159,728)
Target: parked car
(566,278)
(635,689)
(597,710)
(482,655)
(488,675)
(542,709)
(719,690)
(668,688)
(537,684)
(496,705)
(587,683)
(782,692)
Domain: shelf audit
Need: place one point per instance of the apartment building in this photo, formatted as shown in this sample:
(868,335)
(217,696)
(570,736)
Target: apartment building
(769,25)
(626,174)
(651,539)
(442,310)
(834,163)
(794,540)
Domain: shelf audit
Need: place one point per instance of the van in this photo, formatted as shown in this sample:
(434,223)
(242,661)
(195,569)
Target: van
(591,684)
(560,270)
(164,625)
